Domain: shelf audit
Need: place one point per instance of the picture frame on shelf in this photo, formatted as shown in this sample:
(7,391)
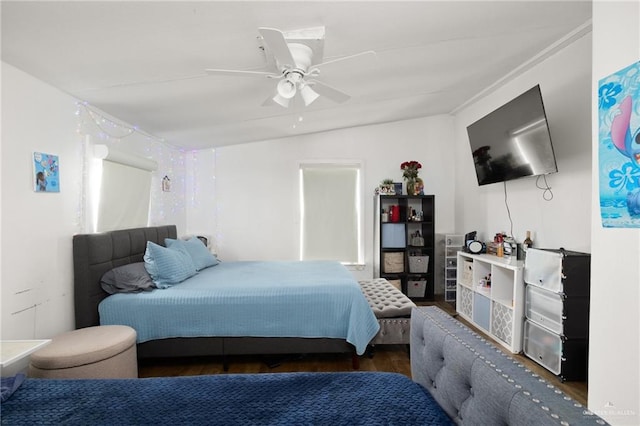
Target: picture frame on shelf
(398,187)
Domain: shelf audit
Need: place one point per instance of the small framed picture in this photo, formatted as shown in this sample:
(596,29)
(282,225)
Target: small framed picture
(46,172)
(398,187)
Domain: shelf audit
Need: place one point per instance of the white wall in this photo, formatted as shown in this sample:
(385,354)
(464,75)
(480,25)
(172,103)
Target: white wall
(614,356)
(37,228)
(200,197)
(565,83)
(257,183)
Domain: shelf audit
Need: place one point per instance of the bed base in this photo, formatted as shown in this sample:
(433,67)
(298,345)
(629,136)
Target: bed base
(95,254)
(229,346)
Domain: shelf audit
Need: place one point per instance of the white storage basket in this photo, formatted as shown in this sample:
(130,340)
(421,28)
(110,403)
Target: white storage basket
(418,264)
(416,288)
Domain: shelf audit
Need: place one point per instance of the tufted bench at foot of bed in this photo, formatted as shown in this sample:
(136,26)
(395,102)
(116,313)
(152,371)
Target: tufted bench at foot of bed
(392,308)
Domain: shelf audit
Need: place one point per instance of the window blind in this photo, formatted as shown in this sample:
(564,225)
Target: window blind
(330,213)
(123,188)
(124,197)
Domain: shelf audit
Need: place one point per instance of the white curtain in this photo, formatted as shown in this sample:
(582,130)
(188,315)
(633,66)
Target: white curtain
(330,210)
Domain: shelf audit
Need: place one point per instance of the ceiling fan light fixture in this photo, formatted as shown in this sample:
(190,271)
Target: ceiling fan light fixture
(283,102)
(308,95)
(286,88)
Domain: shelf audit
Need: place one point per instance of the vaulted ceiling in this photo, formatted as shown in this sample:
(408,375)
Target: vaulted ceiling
(144,62)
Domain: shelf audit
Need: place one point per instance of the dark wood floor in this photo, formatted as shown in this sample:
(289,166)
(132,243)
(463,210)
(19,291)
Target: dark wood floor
(391,358)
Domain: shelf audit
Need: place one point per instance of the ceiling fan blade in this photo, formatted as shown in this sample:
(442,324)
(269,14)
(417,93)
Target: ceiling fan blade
(241,73)
(269,102)
(275,41)
(367,54)
(329,92)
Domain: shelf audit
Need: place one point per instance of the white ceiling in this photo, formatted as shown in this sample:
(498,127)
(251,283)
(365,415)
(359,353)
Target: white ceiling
(143,62)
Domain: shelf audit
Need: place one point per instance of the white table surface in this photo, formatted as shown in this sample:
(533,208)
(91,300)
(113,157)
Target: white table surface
(14,350)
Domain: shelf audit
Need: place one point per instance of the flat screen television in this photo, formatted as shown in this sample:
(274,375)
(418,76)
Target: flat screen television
(513,141)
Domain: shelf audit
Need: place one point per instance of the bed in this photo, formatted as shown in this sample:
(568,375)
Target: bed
(457,377)
(295,307)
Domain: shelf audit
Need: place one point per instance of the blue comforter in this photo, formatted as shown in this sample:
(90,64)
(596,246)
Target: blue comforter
(253,299)
(356,398)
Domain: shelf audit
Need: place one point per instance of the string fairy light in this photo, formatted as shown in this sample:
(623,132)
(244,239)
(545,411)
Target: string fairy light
(109,127)
(164,207)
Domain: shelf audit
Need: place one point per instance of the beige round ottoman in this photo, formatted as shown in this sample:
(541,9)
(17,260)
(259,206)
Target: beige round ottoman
(107,351)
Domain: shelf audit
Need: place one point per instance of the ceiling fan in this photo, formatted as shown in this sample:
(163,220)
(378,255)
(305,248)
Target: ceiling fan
(296,71)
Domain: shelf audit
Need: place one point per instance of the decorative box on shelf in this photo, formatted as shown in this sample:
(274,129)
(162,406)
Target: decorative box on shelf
(467,272)
(393,262)
(394,236)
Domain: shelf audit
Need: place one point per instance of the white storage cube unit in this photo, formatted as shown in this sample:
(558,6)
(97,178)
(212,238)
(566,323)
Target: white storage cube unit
(497,309)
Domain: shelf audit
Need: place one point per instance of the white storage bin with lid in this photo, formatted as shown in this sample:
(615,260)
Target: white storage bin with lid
(545,308)
(543,346)
(543,268)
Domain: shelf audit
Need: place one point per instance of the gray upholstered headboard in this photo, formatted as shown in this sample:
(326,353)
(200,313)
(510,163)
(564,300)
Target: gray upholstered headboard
(95,254)
(478,384)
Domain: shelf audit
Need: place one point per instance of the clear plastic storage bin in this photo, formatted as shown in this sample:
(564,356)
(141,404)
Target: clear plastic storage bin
(544,308)
(543,346)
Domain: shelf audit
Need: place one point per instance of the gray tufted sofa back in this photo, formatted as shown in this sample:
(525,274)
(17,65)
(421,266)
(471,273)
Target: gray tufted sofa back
(478,384)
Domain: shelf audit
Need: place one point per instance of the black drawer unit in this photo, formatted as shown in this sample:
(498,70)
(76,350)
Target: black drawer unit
(556,332)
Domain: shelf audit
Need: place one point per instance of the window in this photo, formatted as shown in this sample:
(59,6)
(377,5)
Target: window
(330,213)
(124,197)
(120,189)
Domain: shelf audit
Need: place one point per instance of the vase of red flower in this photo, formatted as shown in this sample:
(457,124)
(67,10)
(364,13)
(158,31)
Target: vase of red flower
(410,174)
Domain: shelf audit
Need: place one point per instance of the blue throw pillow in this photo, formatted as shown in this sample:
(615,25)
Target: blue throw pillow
(168,266)
(200,255)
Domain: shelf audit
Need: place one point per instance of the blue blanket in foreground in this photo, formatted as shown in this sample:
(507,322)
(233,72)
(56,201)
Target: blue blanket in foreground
(256,299)
(355,398)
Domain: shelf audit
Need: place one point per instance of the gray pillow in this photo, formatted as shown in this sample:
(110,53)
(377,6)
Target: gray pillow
(131,278)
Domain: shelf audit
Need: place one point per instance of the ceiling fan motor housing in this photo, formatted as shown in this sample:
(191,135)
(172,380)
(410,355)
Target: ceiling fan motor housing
(302,56)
